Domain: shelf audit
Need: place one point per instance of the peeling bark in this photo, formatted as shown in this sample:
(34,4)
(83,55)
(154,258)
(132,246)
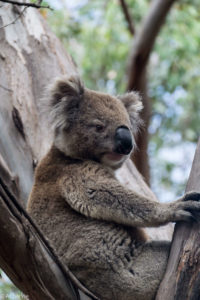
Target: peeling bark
(31,56)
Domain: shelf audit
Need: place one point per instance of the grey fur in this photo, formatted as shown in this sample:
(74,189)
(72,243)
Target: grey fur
(133,103)
(95,223)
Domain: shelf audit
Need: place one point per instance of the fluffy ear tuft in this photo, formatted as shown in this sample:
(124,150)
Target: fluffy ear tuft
(66,88)
(133,104)
(62,100)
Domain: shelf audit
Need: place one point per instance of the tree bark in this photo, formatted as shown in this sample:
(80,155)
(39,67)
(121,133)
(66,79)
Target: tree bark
(27,257)
(127,16)
(31,56)
(137,77)
(182,277)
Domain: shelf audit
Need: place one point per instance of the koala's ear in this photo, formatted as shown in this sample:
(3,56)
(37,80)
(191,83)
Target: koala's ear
(64,97)
(133,104)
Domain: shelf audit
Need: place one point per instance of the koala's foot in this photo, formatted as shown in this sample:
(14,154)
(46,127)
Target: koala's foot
(187,207)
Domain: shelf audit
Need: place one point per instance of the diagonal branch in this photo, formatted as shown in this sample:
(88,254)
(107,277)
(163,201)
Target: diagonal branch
(15,20)
(127,16)
(27,4)
(138,60)
(145,39)
(30,254)
(20,13)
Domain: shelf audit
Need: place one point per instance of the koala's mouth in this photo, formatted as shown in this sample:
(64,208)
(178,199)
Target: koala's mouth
(113,156)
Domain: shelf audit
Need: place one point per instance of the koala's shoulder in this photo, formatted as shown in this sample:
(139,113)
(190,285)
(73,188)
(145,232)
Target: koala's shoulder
(56,168)
(53,166)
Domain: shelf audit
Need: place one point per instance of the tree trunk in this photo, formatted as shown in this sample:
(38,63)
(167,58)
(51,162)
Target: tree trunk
(31,56)
(27,257)
(137,77)
(182,277)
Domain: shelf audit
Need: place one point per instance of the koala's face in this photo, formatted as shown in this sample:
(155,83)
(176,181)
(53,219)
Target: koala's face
(93,125)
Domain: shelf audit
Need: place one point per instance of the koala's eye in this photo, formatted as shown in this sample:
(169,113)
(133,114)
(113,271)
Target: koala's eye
(99,128)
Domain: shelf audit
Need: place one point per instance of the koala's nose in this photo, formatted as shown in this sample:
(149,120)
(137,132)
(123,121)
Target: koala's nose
(123,140)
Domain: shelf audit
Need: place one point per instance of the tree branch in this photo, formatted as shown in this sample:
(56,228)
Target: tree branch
(20,13)
(182,277)
(15,20)
(139,56)
(30,255)
(4,87)
(144,41)
(28,4)
(127,16)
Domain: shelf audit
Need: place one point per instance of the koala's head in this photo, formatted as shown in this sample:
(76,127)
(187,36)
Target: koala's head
(93,125)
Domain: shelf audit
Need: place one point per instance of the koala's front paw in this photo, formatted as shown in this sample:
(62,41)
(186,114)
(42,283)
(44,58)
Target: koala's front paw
(187,209)
(195,196)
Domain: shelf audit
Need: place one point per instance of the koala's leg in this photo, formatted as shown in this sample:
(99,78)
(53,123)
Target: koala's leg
(139,281)
(148,270)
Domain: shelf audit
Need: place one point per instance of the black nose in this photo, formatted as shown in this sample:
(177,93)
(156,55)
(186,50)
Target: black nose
(123,140)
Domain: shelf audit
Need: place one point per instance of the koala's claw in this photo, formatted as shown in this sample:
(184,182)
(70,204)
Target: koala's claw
(187,210)
(187,216)
(195,196)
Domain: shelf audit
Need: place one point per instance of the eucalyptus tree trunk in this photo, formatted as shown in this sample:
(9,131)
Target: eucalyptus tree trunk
(30,57)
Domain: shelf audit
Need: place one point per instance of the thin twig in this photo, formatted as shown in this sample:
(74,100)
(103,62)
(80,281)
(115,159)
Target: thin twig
(15,20)
(5,88)
(127,17)
(35,5)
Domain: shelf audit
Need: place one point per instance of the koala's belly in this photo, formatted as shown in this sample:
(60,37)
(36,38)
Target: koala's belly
(106,257)
(80,241)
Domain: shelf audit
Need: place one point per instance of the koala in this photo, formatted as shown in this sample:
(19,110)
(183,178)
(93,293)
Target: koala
(94,223)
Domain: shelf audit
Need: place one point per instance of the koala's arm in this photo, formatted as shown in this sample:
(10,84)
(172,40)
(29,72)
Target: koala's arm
(100,196)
